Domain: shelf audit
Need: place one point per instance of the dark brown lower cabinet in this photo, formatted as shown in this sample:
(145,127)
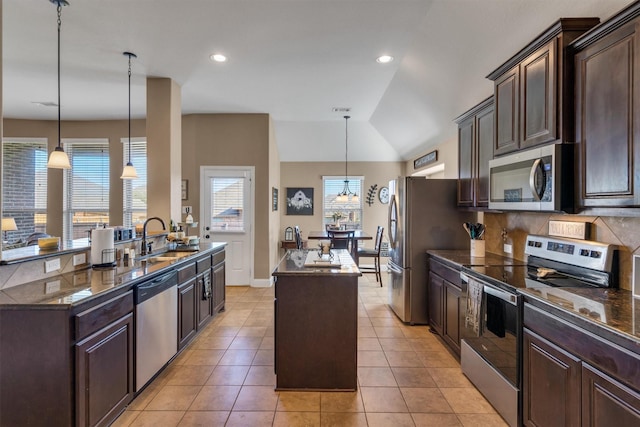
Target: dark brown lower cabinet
(218,285)
(104,368)
(187,324)
(451,331)
(606,402)
(435,294)
(316,328)
(445,303)
(551,384)
(572,377)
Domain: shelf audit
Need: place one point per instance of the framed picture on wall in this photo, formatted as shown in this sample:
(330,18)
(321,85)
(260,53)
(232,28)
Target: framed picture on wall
(185,189)
(274,199)
(299,201)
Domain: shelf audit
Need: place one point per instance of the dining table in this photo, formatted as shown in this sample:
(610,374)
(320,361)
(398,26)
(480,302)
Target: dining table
(357,236)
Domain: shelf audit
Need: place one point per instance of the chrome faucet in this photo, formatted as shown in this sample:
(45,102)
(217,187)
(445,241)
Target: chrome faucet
(143,250)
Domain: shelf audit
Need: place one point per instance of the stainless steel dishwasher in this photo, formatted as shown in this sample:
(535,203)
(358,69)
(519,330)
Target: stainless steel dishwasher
(156,308)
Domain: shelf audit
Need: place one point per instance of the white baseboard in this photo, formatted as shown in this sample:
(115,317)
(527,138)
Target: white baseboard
(262,283)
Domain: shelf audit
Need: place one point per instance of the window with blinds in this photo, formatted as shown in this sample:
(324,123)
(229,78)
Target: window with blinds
(134,195)
(227,204)
(347,214)
(24,190)
(86,187)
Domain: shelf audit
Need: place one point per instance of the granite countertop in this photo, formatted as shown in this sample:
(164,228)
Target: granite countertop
(302,262)
(82,285)
(458,258)
(611,313)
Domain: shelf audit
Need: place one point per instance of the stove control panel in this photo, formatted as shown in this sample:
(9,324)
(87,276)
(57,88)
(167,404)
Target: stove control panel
(583,253)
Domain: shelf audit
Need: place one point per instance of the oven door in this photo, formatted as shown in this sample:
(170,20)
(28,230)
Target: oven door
(490,348)
(498,336)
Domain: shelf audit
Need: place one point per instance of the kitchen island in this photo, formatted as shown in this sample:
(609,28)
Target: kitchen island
(68,343)
(316,321)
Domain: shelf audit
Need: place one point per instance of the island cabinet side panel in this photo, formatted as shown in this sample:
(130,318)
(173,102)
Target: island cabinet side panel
(35,368)
(316,322)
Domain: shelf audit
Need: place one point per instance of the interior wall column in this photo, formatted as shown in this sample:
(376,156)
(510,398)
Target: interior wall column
(164,149)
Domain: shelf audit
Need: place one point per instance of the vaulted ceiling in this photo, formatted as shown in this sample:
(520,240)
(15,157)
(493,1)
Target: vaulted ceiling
(292,59)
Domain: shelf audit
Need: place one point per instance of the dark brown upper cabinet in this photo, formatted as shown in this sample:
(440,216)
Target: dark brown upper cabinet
(475,149)
(608,113)
(534,90)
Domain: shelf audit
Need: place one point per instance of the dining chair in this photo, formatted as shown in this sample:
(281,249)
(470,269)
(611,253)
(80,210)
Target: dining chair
(296,232)
(342,239)
(372,253)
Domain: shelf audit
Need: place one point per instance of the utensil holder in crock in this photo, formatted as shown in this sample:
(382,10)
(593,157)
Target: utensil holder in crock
(477,248)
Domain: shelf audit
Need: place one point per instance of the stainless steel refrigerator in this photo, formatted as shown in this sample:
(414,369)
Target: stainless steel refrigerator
(423,215)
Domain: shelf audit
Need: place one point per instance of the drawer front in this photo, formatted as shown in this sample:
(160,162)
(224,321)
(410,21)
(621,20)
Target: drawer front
(445,272)
(203,264)
(186,272)
(217,258)
(98,317)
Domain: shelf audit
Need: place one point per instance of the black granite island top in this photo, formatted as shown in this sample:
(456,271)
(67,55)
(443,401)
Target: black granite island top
(458,258)
(613,314)
(82,286)
(307,262)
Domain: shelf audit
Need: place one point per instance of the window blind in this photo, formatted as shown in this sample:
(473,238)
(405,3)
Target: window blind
(135,190)
(24,191)
(86,186)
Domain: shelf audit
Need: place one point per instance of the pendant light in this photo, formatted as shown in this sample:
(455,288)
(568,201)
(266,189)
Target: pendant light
(58,159)
(346,195)
(129,172)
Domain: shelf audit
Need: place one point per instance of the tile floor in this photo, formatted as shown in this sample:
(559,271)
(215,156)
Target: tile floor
(225,377)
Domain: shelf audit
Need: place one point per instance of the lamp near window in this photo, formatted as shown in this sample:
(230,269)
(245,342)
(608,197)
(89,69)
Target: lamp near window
(8,224)
(129,172)
(346,195)
(58,159)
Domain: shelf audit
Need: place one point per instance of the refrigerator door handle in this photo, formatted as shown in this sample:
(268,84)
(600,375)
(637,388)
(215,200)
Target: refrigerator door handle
(391,266)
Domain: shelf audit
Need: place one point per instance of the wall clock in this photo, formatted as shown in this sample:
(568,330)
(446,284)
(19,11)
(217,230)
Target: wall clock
(383,195)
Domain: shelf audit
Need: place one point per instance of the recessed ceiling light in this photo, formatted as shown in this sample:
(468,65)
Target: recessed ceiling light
(218,57)
(384,59)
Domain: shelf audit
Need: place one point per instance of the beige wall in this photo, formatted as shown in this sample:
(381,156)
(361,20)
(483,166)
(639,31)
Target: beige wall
(113,130)
(233,140)
(309,174)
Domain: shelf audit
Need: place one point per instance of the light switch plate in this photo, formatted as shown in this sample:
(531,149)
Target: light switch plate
(184,209)
(507,248)
(51,265)
(51,287)
(79,259)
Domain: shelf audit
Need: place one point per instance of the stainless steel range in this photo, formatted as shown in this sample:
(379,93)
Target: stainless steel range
(492,332)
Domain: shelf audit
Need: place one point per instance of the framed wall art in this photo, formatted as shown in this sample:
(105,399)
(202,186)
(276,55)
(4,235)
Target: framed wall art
(184,189)
(274,199)
(299,201)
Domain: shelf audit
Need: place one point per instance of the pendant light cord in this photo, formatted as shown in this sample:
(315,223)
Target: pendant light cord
(129,108)
(59,25)
(346,147)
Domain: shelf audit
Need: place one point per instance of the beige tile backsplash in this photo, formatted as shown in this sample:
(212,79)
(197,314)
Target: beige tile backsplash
(621,231)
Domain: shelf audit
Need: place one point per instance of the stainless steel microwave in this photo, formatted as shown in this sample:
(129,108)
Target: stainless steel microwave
(539,179)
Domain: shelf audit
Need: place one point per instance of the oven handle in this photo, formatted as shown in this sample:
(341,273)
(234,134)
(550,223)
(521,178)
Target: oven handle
(504,296)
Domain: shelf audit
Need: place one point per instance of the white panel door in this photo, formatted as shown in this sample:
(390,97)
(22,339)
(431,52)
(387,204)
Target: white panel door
(227,216)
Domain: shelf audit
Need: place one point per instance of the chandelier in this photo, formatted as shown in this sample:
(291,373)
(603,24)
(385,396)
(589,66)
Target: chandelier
(346,195)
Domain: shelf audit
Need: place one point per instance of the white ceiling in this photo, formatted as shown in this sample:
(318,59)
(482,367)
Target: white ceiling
(292,59)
